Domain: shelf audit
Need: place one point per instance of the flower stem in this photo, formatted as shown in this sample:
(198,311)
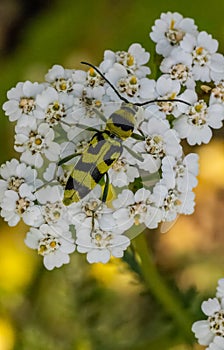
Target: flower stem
(157,286)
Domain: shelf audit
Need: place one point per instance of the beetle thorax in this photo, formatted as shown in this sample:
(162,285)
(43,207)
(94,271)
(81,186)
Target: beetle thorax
(122,122)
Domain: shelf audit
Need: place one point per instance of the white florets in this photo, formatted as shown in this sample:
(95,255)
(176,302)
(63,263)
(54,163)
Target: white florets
(159,141)
(150,182)
(35,143)
(207,65)
(196,121)
(133,60)
(169,31)
(101,243)
(210,332)
(21,105)
(54,243)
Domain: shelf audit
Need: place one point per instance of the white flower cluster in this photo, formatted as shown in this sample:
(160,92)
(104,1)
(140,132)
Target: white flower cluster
(210,332)
(190,56)
(152,180)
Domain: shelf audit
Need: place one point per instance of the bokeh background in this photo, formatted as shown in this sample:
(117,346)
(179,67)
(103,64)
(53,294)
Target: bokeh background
(83,307)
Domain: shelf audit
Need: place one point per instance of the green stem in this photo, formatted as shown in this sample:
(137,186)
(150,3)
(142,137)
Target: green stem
(160,290)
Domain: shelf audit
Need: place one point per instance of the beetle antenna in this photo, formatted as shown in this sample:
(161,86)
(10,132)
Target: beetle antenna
(161,100)
(103,76)
(124,99)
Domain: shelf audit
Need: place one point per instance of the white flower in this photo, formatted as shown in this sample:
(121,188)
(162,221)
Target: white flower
(197,120)
(178,66)
(220,288)
(14,174)
(93,79)
(50,172)
(159,141)
(56,106)
(101,243)
(123,171)
(22,103)
(169,31)
(217,344)
(180,172)
(79,79)
(87,210)
(36,142)
(89,93)
(177,202)
(165,89)
(171,201)
(60,78)
(54,243)
(87,107)
(51,206)
(17,205)
(217,93)
(133,60)
(135,209)
(129,85)
(207,65)
(56,173)
(211,331)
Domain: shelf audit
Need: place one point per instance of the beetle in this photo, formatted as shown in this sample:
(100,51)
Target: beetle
(103,149)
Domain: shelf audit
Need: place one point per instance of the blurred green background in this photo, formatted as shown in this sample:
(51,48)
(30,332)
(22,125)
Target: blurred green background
(83,307)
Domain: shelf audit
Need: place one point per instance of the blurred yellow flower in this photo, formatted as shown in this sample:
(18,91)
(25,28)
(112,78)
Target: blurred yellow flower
(6,335)
(211,166)
(17,261)
(116,276)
